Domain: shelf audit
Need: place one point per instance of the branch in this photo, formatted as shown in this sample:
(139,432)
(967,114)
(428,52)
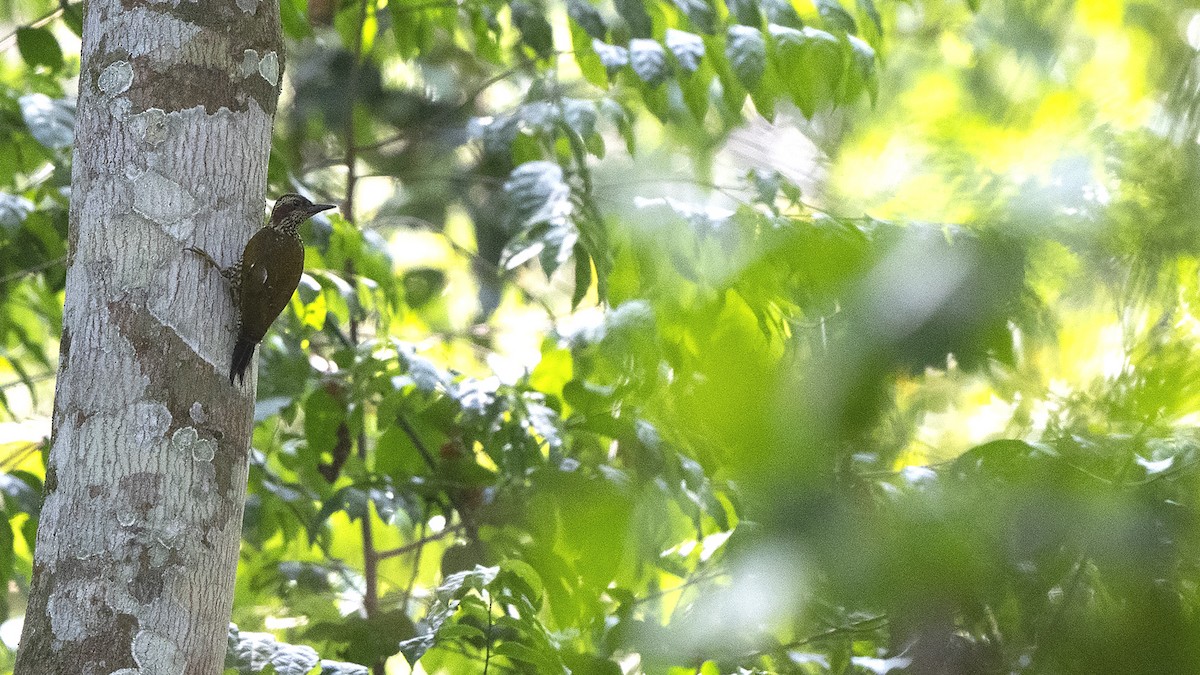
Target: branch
(419,7)
(416,441)
(32,270)
(41,377)
(417,544)
(468,100)
(37,23)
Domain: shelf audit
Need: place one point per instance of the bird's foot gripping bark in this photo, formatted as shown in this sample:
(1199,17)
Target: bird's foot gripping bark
(228,272)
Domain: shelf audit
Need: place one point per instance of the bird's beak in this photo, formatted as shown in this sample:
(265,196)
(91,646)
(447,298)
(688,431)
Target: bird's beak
(317,208)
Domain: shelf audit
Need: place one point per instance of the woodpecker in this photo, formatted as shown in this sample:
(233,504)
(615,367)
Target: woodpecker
(264,277)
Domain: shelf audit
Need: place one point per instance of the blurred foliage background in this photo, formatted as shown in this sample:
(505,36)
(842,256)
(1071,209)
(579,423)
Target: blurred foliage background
(696,336)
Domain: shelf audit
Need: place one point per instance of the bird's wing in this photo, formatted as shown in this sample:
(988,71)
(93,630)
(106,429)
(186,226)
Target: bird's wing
(271,267)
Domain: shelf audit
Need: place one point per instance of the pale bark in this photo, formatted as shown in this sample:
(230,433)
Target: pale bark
(138,541)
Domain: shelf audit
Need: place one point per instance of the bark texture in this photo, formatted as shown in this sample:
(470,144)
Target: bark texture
(138,541)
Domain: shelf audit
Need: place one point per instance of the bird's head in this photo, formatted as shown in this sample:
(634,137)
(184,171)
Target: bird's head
(292,209)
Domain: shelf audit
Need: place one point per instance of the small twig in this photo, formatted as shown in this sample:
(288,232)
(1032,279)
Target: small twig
(872,623)
(370,558)
(487,655)
(433,4)
(416,563)
(15,459)
(32,270)
(678,589)
(417,544)
(37,23)
(416,440)
(468,100)
(351,157)
(41,377)
(501,273)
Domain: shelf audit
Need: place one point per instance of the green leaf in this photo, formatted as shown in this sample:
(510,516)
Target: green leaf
(51,121)
(72,16)
(622,118)
(809,63)
(613,57)
(747,52)
(292,16)
(38,47)
(521,578)
(537,194)
(459,584)
(323,413)
(579,115)
(461,631)
(535,30)
(486,31)
(868,7)
(635,16)
(295,659)
(745,12)
(700,14)
(422,285)
(648,60)
(836,16)
(546,662)
(583,275)
(782,13)
(352,500)
(688,48)
(23,491)
(861,70)
(585,55)
(397,456)
(583,13)
(363,640)
(14,209)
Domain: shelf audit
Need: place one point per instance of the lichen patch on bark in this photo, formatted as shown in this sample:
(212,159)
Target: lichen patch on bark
(181,56)
(153,126)
(116,78)
(157,655)
(164,201)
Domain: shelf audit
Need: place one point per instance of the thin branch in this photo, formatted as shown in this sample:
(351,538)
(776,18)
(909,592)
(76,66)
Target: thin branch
(351,157)
(467,101)
(41,377)
(32,270)
(5,42)
(16,458)
(417,544)
(502,274)
(416,564)
(871,623)
(678,589)
(420,7)
(370,557)
(487,655)
(416,441)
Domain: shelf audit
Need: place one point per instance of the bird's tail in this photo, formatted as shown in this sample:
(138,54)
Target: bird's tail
(243,351)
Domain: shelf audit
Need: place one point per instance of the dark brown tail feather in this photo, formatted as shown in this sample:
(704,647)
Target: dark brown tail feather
(243,351)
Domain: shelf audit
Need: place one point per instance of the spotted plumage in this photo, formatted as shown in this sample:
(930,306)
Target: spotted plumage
(265,276)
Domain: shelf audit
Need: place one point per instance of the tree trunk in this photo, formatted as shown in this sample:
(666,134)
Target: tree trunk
(138,541)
